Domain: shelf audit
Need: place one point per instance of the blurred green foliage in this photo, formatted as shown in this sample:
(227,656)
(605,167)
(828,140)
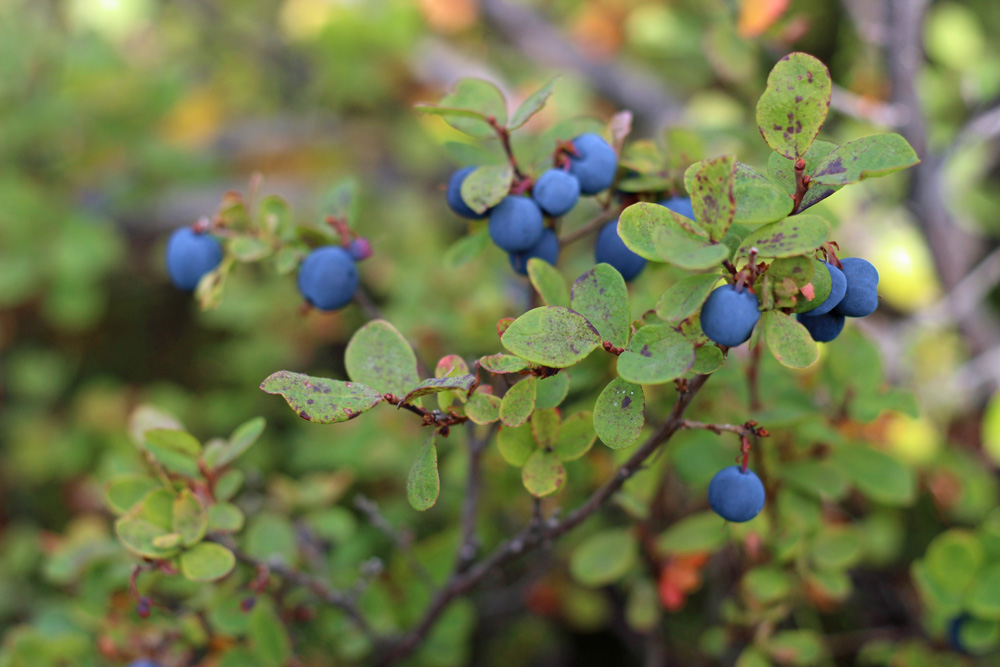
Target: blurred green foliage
(123,119)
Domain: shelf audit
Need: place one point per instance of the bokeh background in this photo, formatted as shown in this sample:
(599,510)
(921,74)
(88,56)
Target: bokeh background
(121,120)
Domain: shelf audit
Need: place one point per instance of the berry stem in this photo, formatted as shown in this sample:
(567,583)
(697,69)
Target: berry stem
(504,135)
(802,180)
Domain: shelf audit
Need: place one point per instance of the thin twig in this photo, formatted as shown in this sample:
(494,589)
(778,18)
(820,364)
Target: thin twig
(469,545)
(532,537)
(402,542)
(590,227)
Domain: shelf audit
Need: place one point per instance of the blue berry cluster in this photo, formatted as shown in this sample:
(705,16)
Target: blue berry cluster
(517,223)
(852,294)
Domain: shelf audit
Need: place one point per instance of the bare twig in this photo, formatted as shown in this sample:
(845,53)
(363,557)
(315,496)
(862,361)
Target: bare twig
(469,545)
(401,540)
(872,111)
(534,536)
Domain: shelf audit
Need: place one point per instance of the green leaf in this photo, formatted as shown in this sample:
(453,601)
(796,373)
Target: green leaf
(990,428)
(378,356)
(123,493)
(343,201)
(797,235)
(620,413)
(712,196)
(752,656)
(876,474)
(548,282)
(953,559)
(704,531)
(788,340)
(685,297)
(836,547)
(207,561)
(467,248)
(274,215)
(543,473)
(604,557)
(532,105)
(758,199)
(190,518)
(816,478)
(177,451)
(320,400)
(503,363)
(656,354)
(707,359)
(221,453)
(767,584)
(798,647)
(239,657)
(551,391)
(467,154)
(685,251)
(867,157)
(478,96)
(249,248)
(794,105)
(268,636)
(461,383)
(782,172)
(640,223)
(576,437)
(228,484)
(518,403)
(486,186)
(423,483)
(545,426)
(225,517)
(483,408)
(139,535)
(551,336)
(984,596)
(821,285)
(271,537)
(600,295)
(168,541)
(516,444)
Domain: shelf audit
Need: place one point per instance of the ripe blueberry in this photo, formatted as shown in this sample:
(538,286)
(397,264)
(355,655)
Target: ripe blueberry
(728,317)
(547,249)
(516,223)
(190,255)
(454,196)
(556,192)
(860,298)
(328,278)
(595,164)
(838,287)
(143,662)
(612,250)
(360,248)
(822,328)
(680,205)
(735,495)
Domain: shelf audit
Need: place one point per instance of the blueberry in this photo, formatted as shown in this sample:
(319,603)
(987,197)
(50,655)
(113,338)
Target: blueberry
(516,223)
(455,201)
(822,328)
(612,250)
(190,255)
(546,249)
(735,495)
(360,248)
(838,287)
(728,317)
(556,192)
(328,278)
(143,662)
(680,205)
(860,298)
(595,165)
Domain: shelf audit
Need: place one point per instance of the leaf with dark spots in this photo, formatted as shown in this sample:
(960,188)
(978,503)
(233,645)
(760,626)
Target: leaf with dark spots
(794,105)
(656,354)
(640,223)
(759,200)
(782,173)
(710,184)
(867,157)
(503,363)
(437,385)
(543,473)
(551,336)
(321,400)
(380,357)
(619,414)
(600,296)
(796,235)
(685,297)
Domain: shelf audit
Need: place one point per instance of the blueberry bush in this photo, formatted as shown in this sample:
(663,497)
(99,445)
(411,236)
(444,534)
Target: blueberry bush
(654,424)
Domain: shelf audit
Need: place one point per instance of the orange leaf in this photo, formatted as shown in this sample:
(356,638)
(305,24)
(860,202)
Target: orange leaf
(756,16)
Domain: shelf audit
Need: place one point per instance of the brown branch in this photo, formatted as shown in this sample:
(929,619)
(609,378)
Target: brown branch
(469,544)
(536,535)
